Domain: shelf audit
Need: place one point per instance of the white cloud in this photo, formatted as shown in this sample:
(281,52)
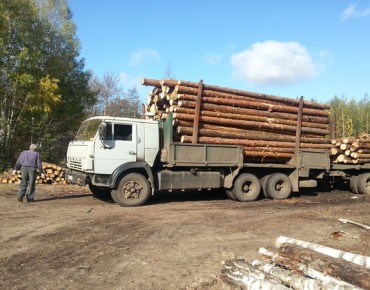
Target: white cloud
(352,12)
(212,58)
(143,55)
(273,63)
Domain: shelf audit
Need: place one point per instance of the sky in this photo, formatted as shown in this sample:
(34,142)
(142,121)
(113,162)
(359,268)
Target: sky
(317,49)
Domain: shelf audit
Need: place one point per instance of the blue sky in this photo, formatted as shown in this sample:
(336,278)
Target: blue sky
(316,49)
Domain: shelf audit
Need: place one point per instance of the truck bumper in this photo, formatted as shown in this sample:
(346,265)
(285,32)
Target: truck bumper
(75,177)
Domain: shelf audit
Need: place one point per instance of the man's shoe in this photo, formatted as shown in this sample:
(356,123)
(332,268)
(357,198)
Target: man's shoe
(30,200)
(20,199)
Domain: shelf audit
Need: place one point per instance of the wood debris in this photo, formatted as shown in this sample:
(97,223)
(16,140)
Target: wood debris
(299,265)
(345,221)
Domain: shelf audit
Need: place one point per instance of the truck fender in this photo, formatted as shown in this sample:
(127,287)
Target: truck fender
(128,167)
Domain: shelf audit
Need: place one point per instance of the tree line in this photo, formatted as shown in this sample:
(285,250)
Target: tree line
(46,91)
(350,116)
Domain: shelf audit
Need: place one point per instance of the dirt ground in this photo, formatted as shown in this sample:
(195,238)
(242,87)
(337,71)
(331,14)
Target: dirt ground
(70,240)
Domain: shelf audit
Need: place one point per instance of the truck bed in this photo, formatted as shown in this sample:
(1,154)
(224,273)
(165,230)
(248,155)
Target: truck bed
(203,155)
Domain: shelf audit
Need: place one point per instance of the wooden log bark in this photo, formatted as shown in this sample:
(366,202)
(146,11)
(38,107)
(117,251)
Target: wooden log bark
(272,145)
(207,130)
(221,98)
(254,125)
(246,111)
(327,281)
(335,267)
(250,117)
(151,82)
(254,95)
(240,273)
(363,156)
(350,257)
(289,278)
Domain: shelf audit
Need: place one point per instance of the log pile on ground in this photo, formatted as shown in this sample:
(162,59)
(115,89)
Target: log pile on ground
(265,125)
(300,265)
(351,150)
(54,175)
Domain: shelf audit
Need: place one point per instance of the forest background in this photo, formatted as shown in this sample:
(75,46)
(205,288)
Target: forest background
(46,91)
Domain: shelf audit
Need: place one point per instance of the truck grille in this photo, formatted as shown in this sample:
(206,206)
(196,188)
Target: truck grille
(77,165)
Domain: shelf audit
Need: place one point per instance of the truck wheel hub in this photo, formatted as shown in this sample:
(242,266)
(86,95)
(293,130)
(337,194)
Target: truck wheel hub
(131,189)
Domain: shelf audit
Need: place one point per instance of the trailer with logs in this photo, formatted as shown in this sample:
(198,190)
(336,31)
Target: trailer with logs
(198,136)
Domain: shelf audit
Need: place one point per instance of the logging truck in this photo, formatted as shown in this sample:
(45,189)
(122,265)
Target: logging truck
(131,159)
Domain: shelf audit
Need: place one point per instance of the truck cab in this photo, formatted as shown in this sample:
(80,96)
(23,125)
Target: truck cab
(105,146)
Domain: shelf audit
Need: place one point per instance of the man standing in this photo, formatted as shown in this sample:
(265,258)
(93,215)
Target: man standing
(28,161)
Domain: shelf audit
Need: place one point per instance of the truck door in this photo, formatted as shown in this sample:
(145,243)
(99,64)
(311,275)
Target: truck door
(119,147)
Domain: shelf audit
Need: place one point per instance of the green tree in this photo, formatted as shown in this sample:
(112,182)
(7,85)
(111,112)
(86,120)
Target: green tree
(112,98)
(43,86)
(351,117)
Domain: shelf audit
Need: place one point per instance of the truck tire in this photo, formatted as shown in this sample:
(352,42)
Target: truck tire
(264,181)
(133,190)
(353,184)
(363,183)
(230,194)
(279,186)
(246,187)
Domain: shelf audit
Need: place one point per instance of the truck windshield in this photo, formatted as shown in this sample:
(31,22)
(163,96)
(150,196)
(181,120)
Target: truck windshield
(87,130)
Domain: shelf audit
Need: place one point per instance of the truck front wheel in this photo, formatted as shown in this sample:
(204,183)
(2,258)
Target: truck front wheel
(246,187)
(363,183)
(132,190)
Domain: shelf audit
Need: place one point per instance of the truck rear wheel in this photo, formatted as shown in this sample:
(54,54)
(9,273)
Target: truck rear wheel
(132,190)
(264,181)
(279,186)
(353,181)
(246,187)
(230,194)
(363,183)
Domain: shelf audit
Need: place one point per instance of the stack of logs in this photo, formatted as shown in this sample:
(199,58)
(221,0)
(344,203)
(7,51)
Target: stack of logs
(265,125)
(300,265)
(351,150)
(54,175)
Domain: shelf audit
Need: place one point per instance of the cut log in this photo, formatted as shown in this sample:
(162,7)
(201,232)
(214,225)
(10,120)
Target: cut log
(240,273)
(327,281)
(151,82)
(351,257)
(253,143)
(335,267)
(246,111)
(249,117)
(254,95)
(289,278)
(208,130)
(221,98)
(253,125)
